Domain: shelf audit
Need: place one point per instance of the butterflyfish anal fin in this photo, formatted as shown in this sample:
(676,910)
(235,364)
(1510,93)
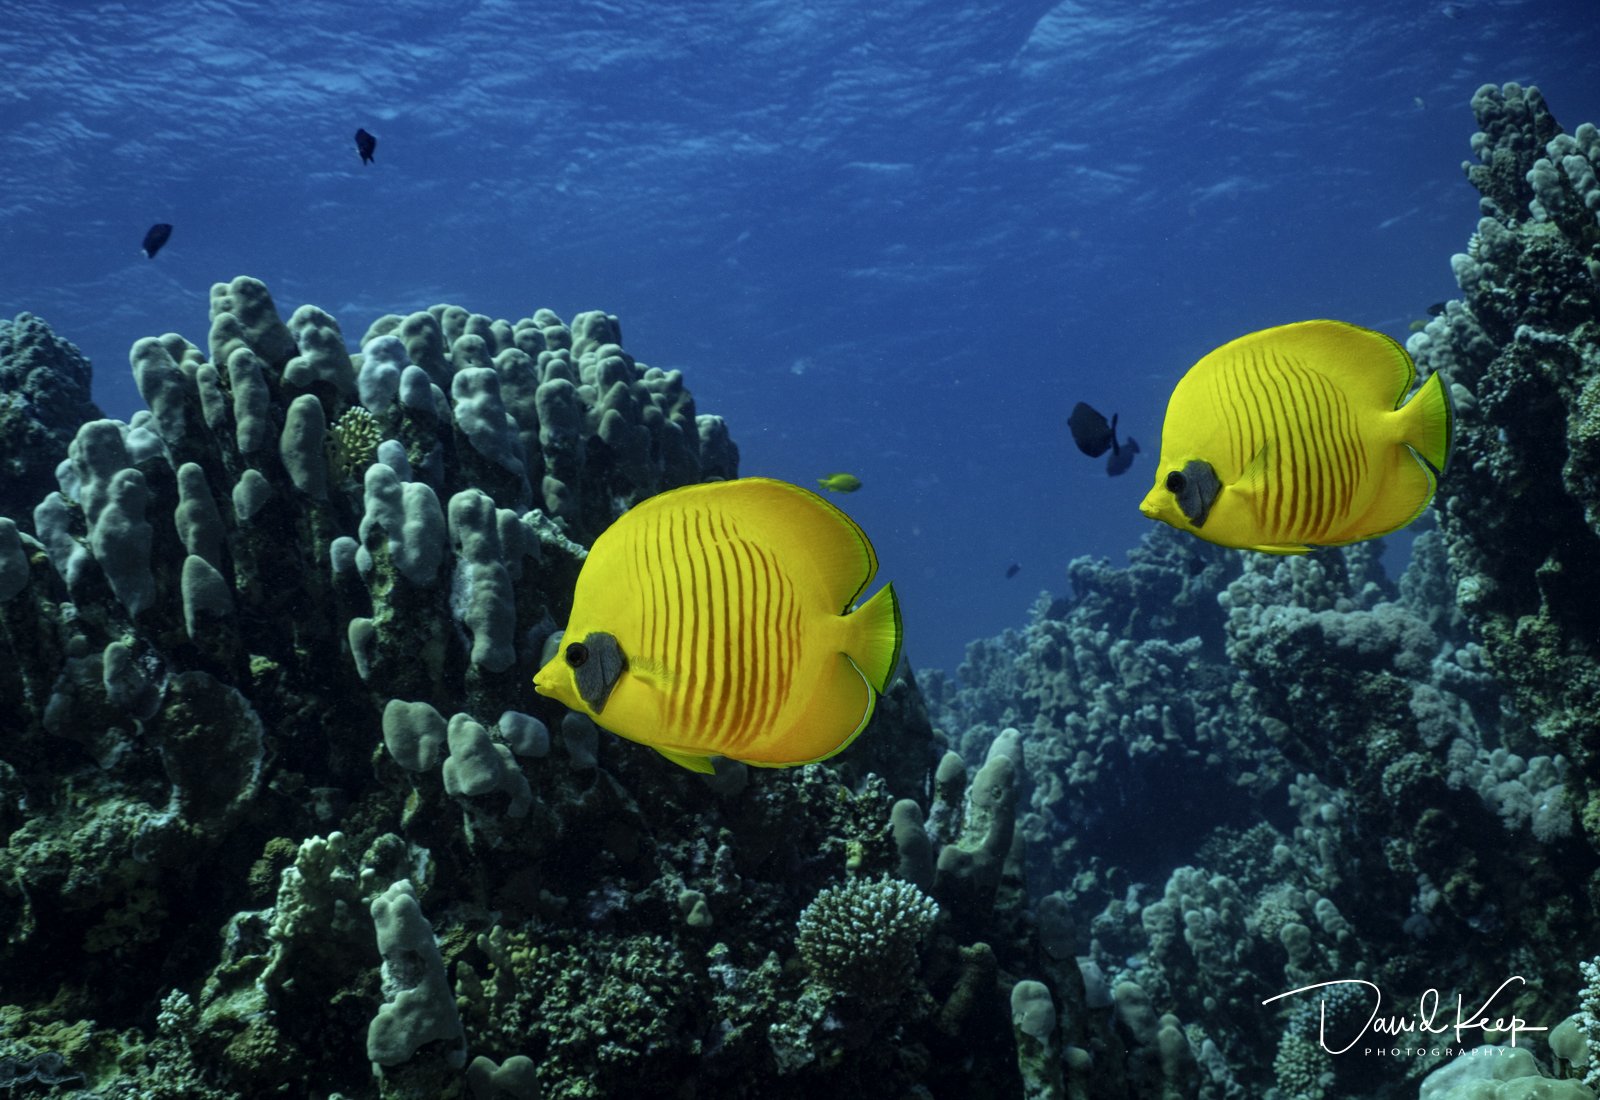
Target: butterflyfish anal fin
(1410,485)
(853,693)
(694,762)
(843,703)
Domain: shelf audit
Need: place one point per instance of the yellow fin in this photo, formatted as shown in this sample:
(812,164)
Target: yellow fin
(1430,422)
(844,701)
(694,763)
(652,672)
(876,636)
(1373,370)
(1253,478)
(811,535)
(1253,483)
(1408,487)
(1249,486)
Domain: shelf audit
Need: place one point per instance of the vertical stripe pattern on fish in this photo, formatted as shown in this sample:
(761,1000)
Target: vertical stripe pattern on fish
(728,608)
(1300,436)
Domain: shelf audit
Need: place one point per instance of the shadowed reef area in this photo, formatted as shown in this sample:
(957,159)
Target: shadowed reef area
(282,815)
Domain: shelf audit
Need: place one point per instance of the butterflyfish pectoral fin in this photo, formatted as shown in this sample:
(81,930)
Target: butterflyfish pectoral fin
(695,763)
(1253,479)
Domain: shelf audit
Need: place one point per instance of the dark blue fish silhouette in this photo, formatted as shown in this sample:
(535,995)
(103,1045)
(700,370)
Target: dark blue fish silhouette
(1094,437)
(1090,431)
(1122,457)
(365,145)
(154,238)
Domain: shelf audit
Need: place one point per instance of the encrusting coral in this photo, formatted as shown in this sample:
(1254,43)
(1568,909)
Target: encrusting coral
(1521,513)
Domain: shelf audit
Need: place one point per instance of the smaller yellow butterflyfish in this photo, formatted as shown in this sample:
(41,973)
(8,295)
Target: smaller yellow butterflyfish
(1300,436)
(716,620)
(840,483)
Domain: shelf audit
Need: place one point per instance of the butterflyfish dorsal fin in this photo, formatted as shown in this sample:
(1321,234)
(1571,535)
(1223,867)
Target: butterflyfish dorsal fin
(1368,366)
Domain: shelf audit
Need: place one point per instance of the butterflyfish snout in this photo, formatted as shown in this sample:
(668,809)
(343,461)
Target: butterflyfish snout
(1193,489)
(720,620)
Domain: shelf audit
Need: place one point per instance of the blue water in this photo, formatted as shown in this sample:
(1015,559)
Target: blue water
(897,238)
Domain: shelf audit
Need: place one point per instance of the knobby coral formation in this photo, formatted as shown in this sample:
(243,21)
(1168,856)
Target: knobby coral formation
(44,396)
(281,810)
(1255,774)
(1522,515)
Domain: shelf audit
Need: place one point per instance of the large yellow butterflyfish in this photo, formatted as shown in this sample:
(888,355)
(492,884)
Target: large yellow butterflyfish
(1300,436)
(716,620)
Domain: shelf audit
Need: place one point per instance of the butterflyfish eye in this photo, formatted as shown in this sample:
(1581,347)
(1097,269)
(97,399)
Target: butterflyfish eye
(577,654)
(1175,483)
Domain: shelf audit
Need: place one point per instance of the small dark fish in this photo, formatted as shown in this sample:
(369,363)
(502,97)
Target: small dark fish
(1012,570)
(365,145)
(1436,309)
(1094,437)
(154,238)
(1122,457)
(1090,431)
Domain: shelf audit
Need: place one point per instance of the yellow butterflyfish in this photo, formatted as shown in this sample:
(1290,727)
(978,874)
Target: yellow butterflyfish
(1300,436)
(716,620)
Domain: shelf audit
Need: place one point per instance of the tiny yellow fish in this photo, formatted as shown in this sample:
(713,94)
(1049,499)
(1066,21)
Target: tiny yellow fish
(1296,436)
(840,483)
(716,620)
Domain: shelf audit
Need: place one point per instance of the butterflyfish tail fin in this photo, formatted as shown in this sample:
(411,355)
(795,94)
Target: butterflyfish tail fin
(1430,422)
(876,636)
